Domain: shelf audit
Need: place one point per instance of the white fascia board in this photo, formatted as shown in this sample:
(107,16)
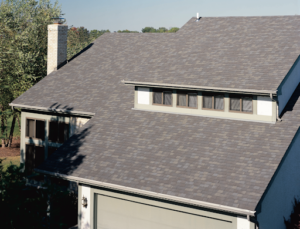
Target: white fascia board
(52,109)
(204,88)
(151,194)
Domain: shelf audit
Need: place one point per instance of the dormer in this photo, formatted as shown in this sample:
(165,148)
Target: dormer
(235,104)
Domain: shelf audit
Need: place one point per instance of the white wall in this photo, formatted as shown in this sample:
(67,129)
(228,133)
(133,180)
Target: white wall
(288,86)
(278,200)
(264,106)
(85,211)
(76,123)
(243,223)
(143,95)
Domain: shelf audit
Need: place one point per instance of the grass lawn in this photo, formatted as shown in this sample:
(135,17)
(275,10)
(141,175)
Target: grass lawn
(7,128)
(14,160)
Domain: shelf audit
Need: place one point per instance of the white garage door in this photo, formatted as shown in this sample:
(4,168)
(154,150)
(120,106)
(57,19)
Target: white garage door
(114,213)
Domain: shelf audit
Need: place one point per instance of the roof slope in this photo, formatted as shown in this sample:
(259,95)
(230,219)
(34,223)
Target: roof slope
(215,160)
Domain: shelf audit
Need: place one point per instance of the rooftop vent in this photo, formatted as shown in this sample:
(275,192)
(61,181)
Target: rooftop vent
(198,18)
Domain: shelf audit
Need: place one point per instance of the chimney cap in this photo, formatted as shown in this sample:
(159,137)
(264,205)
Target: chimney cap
(57,20)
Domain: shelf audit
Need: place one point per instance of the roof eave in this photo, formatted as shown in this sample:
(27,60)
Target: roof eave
(63,111)
(151,194)
(203,88)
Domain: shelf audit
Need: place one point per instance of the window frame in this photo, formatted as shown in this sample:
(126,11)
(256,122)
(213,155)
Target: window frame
(241,103)
(162,97)
(213,101)
(34,156)
(49,123)
(35,119)
(187,92)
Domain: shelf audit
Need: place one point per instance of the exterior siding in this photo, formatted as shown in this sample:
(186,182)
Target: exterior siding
(226,114)
(277,201)
(75,122)
(288,86)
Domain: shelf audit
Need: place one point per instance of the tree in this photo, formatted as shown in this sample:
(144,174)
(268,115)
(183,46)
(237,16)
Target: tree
(160,30)
(148,30)
(23,47)
(79,38)
(24,206)
(294,221)
(173,30)
(94,34)
(127,31)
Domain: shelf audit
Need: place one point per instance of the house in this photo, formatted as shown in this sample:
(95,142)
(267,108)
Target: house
(197,129)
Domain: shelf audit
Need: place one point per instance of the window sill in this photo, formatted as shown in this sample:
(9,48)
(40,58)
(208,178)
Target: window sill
(187,107)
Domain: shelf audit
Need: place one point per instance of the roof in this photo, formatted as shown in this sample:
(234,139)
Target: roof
(207,159)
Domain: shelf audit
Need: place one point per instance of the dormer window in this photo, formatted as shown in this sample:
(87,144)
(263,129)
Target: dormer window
(213,101)
(241,103)
(162,97)
(187,99)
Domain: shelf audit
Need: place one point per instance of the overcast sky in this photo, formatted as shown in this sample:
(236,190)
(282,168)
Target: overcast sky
(137,14)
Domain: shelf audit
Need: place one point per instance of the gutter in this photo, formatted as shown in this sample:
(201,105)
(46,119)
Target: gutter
(203,88)
(151,194)
(51,109)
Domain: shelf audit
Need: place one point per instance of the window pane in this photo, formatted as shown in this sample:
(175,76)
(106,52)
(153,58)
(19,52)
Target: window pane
(30,128)
(219,102)
(53,131)
(192,100)
(157,98)
(167,98)
(40,129)
(247,104)
(182,100)
(207,101)
(235,104)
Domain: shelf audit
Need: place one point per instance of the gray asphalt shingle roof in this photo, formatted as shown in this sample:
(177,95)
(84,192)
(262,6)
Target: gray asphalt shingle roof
(215,160)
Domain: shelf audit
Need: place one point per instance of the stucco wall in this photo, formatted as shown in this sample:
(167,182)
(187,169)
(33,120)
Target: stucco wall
(288,86)
(285,185)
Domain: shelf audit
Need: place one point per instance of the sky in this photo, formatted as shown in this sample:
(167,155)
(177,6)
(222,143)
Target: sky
(137,14)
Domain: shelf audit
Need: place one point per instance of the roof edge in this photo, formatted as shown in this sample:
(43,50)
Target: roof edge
(151,194)
(51,109)
(204,88)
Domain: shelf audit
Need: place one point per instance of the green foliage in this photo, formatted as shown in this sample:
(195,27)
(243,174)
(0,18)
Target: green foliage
(79,38)
(24,206)
(159,30)
(23,47)
(127,31)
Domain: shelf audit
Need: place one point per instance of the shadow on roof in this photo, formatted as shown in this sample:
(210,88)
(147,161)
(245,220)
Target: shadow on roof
(293,100)
(82,51)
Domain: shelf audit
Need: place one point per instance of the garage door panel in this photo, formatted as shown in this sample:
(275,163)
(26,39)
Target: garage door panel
(115,213)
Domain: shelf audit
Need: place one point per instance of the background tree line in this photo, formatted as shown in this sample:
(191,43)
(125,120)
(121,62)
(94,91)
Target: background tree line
(23,50)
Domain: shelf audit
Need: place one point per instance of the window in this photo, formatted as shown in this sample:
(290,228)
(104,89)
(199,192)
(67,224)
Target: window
(213,101)
(187,99)
(162,97)
(35,156)
(58,131)
(35,128)
(241,103)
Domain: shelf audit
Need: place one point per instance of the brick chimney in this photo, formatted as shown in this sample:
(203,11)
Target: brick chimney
(57,46)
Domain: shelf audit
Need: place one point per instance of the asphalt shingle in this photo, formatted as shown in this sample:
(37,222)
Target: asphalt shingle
(215,160)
